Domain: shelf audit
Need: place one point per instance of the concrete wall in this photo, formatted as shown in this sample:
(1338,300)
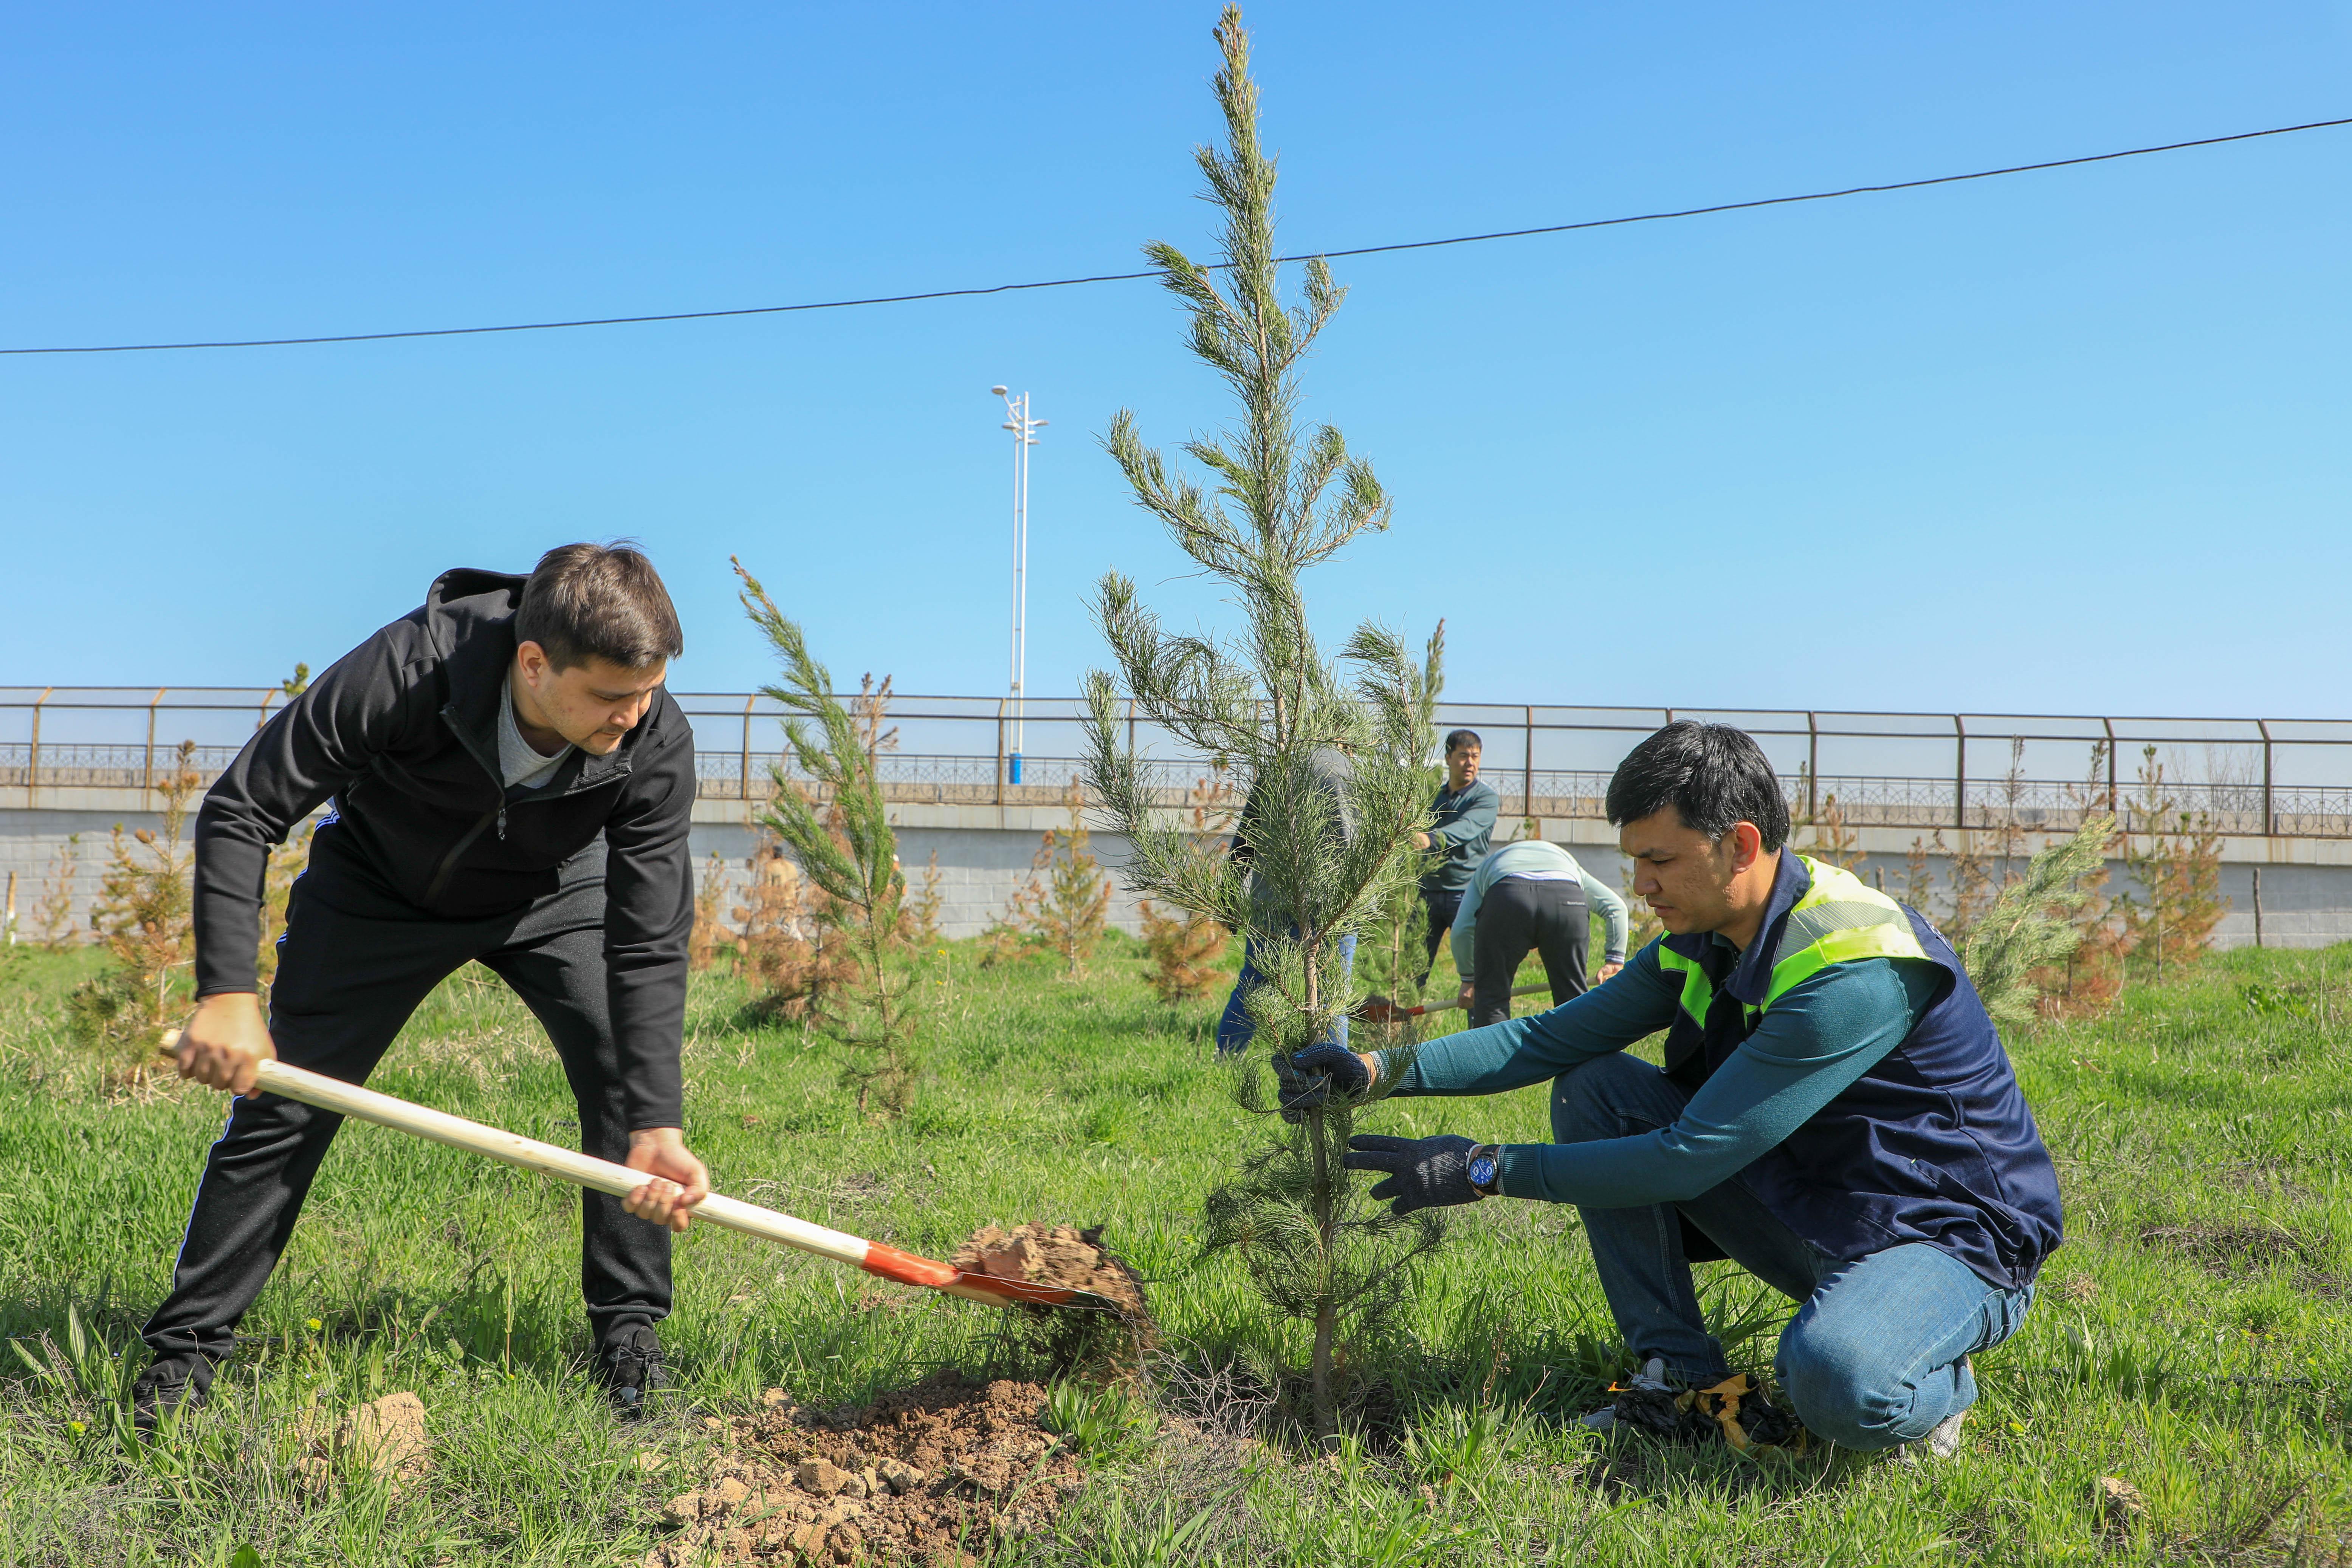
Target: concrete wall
(985,854)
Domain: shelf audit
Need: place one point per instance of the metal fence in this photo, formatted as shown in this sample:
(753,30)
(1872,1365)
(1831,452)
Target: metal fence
(1922,771)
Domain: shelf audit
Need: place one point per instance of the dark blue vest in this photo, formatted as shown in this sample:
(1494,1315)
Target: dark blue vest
(1933,1144)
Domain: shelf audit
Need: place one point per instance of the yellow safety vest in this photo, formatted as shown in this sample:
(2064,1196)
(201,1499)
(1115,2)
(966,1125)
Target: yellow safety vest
(1839,918)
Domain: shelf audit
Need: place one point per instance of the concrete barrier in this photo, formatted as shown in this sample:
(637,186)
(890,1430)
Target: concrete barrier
(984,854)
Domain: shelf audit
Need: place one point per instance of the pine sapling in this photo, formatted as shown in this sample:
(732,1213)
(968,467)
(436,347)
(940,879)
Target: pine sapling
(850,856)
(1834,843)
(1331,804)
(1066,907)
(286,862)
(923,908)
(781,951)
(710,932)
(1185,946)
(2029,933)
(52,924)
(1391,951)
(2174,857)
(1973,888)
(143,918)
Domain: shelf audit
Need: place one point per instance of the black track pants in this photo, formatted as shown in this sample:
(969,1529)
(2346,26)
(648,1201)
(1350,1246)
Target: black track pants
(1443,905)
(353,964)
(1519,913)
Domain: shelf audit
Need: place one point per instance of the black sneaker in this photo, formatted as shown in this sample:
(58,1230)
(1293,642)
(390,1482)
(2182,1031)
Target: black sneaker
(630,1365)
(163,1388)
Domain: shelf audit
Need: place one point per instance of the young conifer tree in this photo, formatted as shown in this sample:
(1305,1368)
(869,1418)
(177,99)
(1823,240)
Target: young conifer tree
(1184,945)
(143,918)
(1066,907)
(1323,856)
(850,857)
(2175,859)
(53,921)
(2030,930)
(1390,952)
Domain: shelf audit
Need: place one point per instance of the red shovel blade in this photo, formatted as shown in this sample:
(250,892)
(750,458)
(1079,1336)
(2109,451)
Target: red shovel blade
(907,1268)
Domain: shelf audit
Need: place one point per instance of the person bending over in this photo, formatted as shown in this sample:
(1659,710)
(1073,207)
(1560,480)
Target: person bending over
(1835,1113)
(1465,808)
(1531,895)
(507,783)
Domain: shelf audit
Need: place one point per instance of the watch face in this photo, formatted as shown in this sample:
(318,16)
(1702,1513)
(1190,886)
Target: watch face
(1482,1171)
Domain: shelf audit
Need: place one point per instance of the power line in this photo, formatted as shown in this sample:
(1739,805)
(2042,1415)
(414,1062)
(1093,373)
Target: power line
(1133,277)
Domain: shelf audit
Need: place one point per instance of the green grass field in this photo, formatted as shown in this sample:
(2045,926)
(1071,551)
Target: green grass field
(2194,1337)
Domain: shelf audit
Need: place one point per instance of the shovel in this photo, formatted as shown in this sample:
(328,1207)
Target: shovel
(1377,1009)
(603,1175)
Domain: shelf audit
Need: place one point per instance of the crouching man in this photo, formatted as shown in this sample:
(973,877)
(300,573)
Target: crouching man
(1836,1114)
(510,785)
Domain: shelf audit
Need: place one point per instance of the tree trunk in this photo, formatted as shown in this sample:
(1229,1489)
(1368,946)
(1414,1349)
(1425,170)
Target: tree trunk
(1325,1200)
(1327,1417)
(1327,1310)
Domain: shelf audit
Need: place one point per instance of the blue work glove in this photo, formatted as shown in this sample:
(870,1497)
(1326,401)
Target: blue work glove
(1307,1079)
(1423,1173)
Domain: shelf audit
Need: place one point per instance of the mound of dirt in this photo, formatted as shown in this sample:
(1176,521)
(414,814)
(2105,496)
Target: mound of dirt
(1058,1254)
(933,1475)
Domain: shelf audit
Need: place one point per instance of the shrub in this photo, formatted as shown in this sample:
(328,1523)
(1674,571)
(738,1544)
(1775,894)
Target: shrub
(710,932)
(53,921)
(1185,946)
(923,908)
(142,919)
(2174,857)
(2028,934)
(286,862)
(1066,907)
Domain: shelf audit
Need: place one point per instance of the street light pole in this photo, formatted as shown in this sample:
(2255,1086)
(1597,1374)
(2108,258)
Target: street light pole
(1025,436)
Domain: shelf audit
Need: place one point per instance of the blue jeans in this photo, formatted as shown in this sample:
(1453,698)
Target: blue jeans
(1874,1356)
(1234,1029)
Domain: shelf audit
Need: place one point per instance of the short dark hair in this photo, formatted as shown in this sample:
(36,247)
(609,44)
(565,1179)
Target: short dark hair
(1716,777)
(599,601)
(1457,738)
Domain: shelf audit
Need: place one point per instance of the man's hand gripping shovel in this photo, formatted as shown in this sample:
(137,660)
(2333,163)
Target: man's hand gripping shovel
(604,1176)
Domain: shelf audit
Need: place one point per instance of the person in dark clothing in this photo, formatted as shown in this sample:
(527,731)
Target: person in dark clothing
(507,782)
(1465,809)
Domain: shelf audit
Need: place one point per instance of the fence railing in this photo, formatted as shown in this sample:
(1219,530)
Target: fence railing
(1921,772)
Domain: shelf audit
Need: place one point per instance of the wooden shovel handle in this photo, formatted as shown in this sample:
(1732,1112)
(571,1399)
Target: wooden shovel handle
(604,1176)
(1381,1010)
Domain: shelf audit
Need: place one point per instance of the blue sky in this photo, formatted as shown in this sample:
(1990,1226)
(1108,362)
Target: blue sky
(2072,441)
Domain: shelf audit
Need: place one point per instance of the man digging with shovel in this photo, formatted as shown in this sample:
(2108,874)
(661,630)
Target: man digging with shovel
(507,782)
(1836,1114)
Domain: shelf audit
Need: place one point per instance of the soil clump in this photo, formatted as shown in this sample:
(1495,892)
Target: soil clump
(934,1474)
(1058,1255)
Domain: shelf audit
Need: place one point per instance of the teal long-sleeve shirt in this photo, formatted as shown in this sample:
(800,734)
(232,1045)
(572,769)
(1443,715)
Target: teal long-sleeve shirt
(1464,825)
(1817,1038)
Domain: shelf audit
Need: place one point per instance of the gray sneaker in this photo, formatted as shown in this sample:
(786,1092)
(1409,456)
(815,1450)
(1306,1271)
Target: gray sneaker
(1651,1376)
(1942,1441)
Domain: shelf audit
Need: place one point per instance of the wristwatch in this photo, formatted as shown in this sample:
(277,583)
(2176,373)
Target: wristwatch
(1485,1169)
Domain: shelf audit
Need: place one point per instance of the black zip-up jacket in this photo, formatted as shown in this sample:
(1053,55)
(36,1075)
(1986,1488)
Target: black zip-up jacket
(402,733)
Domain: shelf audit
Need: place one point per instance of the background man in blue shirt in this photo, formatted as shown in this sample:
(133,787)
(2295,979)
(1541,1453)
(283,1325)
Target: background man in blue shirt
(1835,1113)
